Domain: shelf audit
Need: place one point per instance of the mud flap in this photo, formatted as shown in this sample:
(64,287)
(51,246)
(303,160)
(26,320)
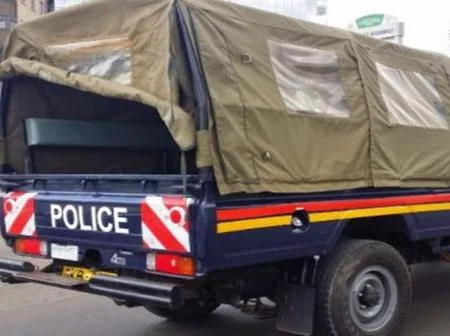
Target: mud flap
(296,309)
(296,302)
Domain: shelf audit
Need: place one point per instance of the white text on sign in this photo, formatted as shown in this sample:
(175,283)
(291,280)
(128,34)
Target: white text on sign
(103,219)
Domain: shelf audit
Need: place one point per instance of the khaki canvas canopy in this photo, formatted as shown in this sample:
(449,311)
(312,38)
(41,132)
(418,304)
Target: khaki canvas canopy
(293,106)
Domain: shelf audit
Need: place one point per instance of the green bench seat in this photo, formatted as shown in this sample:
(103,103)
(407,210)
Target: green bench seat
(73,146)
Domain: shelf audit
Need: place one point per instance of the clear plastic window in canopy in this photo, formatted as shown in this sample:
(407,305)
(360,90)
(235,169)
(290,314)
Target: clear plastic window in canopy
(411,98)
(109,59)
(309,80)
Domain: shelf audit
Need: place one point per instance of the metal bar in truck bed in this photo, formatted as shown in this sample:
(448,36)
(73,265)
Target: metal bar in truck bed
(13,181)
(97,177)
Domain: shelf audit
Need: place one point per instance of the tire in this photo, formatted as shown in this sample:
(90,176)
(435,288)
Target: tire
(192,310)
(364,288)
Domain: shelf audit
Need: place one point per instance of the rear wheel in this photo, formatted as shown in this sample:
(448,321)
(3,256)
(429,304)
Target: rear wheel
(364,288)
(191,310)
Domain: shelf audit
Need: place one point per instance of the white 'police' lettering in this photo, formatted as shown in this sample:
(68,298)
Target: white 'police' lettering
(102,219)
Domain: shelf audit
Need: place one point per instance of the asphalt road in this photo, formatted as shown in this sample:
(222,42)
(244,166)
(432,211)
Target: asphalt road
(31,310)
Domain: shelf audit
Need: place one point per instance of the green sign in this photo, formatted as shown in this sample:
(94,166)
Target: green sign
(370,21)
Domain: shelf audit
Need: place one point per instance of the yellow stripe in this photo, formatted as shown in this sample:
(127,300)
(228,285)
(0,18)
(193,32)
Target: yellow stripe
(371,212)
(262,223)
(250,224)
(358,213)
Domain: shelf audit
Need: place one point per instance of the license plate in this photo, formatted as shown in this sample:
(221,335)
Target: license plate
(64,252)
(80,273)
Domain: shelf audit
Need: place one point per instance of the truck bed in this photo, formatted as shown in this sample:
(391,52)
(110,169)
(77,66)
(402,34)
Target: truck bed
(240,230)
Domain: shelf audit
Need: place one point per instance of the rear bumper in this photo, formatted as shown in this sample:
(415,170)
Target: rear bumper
(130,290)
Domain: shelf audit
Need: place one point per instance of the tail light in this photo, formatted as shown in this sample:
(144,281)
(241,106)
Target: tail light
(170,264)
(31,247)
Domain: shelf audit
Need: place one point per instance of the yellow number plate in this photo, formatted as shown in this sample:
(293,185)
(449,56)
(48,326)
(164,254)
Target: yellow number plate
(82,273)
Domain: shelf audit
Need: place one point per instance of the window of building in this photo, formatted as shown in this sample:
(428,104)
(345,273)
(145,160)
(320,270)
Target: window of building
(411,98)
(6,22)
(33,5)
(42,7)
(309,80)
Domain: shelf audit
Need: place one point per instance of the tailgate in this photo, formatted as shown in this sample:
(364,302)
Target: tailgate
(127,221)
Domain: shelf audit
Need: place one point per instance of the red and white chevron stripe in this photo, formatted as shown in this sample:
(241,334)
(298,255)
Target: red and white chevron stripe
(19,209)
(165,224)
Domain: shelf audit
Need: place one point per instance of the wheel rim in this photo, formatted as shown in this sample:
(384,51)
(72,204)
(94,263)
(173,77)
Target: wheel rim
(373,298)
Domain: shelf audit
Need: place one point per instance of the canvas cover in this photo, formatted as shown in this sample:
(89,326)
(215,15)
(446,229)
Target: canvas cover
(116,49)
(295,106)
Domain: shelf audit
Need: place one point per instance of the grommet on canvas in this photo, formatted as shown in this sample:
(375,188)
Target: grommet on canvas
(267,156)
(246,59)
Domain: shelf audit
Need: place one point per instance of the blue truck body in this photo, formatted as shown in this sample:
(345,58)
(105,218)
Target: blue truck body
(214,250)
(173,244)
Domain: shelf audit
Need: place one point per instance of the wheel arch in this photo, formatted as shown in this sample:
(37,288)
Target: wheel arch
(377,228)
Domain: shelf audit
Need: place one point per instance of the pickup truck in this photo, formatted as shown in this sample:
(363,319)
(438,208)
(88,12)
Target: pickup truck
(182,155)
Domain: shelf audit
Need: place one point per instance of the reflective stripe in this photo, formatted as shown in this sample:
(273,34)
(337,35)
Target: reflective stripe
(251,224)
(178,230)
(165,224)
(270,210)
(13,206)
(384,211)
(19,209)
(327,216)
(30,228)
(150,241)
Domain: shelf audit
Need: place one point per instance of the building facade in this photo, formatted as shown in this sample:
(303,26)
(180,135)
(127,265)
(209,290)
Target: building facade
(29,9)
(311,10)
(61,4)
(8,17)
(14,12)
(381,26)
